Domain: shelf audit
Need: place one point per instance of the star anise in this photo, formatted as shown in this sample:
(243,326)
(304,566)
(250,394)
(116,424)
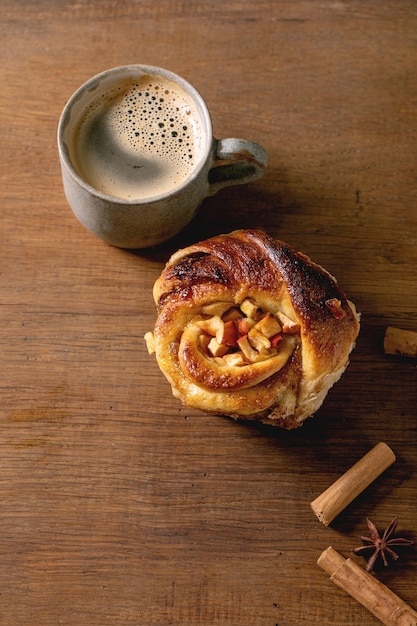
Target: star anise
(381,545)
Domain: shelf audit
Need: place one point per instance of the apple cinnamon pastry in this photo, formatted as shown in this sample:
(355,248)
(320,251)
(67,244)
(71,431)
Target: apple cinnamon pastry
(248,327)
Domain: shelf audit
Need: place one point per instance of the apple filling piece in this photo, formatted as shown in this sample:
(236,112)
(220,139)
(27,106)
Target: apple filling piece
(232,347)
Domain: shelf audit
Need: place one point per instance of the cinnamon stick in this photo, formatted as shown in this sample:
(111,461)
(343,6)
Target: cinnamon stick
(346,488)
(399,341)
(367,590)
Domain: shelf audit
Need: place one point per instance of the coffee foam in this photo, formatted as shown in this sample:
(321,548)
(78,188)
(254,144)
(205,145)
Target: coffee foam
(139,139)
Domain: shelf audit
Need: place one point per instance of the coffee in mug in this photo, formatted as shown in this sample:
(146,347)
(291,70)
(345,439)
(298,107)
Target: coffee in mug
(138,155)
(139,140)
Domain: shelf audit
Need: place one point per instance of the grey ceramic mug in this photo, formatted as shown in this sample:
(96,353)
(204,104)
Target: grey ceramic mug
(138,155)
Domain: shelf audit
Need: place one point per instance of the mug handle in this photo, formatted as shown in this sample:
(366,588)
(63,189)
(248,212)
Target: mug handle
(237,161)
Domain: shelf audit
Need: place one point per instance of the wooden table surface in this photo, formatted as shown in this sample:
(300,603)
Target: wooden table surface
(118,505)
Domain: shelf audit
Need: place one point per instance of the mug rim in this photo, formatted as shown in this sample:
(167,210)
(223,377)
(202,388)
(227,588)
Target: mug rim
(132,69)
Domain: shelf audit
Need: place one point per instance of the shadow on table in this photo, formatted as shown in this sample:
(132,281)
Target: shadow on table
(230,209)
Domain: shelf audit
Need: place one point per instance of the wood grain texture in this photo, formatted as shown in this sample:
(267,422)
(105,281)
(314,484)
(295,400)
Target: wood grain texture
(118,506)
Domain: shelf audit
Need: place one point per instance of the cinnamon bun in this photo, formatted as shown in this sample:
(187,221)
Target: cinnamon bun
(248,327)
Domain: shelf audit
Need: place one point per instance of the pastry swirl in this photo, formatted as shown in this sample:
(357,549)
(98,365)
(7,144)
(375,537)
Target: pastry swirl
(250,328)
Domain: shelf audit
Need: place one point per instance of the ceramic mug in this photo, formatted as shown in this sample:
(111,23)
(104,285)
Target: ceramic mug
(138,155)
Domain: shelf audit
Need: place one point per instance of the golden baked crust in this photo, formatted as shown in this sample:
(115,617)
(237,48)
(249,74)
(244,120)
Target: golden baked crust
(250,328)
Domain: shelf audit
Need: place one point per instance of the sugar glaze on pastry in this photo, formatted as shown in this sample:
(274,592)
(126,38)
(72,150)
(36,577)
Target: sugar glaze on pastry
(248,327)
